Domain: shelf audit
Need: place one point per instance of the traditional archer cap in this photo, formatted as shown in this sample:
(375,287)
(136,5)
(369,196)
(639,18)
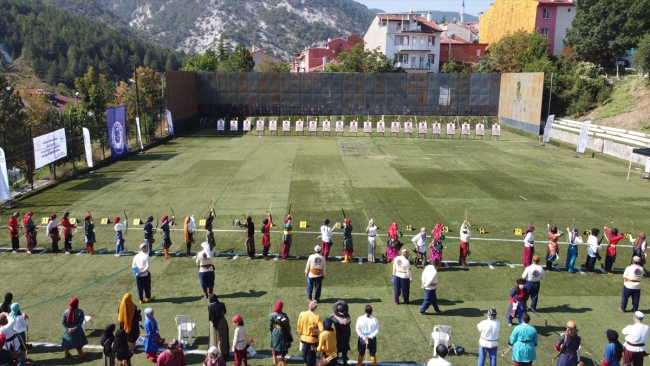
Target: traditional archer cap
(317,249)
(570,324)
(214,350)
(638,315)
(143,245)
(636,259)
(492,312)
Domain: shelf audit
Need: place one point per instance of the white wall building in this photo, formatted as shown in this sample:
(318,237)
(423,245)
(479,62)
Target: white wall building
(411,39)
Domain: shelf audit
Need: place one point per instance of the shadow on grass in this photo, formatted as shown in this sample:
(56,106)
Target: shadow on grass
(151,156)
(90,358)
(564,309)
(466,312)
(178,300)
(99,181)
(250,293)
(547,330)
(352,300)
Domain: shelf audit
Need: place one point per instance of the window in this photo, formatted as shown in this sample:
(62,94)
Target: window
(478,52)
(431,59)
(544,32)
(402,40)
(432,40)
(569,10)
(402,58)
(546,13)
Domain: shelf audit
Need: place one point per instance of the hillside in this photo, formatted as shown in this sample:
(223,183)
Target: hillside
(281,27)
(437,16)
(628,107)
(59,45)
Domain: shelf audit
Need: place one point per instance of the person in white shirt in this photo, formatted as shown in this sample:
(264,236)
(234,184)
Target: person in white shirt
(489,341)
(442,351)
(465,234)
(119,237)
(402,277)
(636,336)
(593,245)
(367,328)
(20,325)
(189,234)
(315,272)
(326,237)
(429,284)
(142,276)
(533,274)
(206,269)
(632,278)
(420,243)
(529,246)
(52,231)
(371,231)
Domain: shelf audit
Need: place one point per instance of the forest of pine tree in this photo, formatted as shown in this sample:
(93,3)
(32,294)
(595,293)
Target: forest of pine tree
(60,45)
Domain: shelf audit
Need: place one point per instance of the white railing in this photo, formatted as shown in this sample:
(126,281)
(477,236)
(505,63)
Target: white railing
(610,133)
(405,28)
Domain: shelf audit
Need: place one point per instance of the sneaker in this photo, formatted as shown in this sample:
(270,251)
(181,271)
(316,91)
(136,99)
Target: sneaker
(510,324)
(143,301)
(14,252)
(29,252)
(67,252)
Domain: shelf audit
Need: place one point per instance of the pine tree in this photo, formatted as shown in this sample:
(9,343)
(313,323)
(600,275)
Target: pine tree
(223,52)
(241,60)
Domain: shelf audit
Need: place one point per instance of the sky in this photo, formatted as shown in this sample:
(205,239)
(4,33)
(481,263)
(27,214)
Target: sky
(471,6)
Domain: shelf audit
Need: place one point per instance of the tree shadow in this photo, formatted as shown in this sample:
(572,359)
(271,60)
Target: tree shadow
(565,308)
(250,293)
(353,300)
(151,156)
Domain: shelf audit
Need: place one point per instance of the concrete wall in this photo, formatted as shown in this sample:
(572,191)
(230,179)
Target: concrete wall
(565,15)
(505,17)
(608,147)
(182,95)
(520,100)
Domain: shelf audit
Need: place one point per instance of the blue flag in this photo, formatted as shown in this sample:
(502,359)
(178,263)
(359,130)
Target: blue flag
(116,120)
(170,123)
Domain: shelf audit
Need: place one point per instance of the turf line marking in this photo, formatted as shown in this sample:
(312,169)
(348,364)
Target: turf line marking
(512,265)
(178,253)
(581,272)
(277,256)
(81,252)
(43,251)
(216,254)
(235,257)
(446,264)
(490,266)
(602,270)
(360,260)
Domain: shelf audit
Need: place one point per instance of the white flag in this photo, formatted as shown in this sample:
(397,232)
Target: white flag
(88,147)
(582,140)
(137,124)
(5,193)
(548,127)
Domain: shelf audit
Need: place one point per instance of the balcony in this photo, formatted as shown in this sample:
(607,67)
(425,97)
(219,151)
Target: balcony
(404,28)
(414,66)
(415,48)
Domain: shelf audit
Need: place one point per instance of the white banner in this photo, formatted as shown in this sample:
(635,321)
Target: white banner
(547,128)
(49,148)
(5,193)
(582,140)
(137,125)
(88,147)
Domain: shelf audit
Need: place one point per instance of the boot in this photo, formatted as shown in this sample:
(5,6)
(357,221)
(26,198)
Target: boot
(81,353)
(360,360)
(166,251)
(346,260)
(275,359)
(66,353)
(189,252)
(90,251)
(374,360)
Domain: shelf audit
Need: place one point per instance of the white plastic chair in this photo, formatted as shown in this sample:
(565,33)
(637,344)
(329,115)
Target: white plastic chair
(186,325)
(87,319)
(440,334)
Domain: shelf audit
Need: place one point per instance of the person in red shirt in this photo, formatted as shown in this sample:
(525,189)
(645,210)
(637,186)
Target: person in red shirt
(172,356)
(67,231)
(13,231)
(266,234)
(614,237)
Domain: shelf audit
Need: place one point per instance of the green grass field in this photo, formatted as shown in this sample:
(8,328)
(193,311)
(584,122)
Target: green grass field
(503,185)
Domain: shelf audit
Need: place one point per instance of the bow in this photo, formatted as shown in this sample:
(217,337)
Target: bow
(173,218)
(126,222)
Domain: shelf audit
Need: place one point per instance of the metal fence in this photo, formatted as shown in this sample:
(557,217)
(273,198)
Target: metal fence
(221,94)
